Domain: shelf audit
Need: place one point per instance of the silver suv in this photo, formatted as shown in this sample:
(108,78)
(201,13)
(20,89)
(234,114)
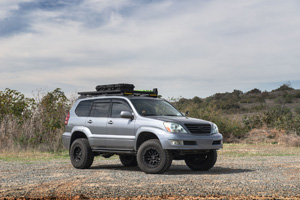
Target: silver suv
(142,129)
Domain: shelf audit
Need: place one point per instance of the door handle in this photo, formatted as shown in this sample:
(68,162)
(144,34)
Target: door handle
(110,122)
(90,121)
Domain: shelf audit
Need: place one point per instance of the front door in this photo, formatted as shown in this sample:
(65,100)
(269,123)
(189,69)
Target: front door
(120,131)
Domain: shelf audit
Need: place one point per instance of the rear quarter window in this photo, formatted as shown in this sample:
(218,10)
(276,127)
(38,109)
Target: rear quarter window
(83,108)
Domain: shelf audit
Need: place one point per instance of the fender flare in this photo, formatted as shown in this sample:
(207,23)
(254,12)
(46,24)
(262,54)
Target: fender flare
(159,133)
(80,129)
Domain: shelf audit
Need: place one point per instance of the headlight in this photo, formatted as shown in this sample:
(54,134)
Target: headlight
(174,128)
(214,129)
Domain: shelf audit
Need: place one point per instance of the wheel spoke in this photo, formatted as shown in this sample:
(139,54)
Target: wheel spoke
(77,154)
(152,157)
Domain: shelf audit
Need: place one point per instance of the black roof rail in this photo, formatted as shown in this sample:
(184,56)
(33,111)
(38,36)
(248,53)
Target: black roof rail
(119,90)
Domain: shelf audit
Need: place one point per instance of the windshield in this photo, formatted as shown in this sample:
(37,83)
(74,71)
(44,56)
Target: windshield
(154,107)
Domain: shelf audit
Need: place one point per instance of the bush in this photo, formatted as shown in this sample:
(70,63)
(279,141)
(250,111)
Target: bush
(35,124)
(297,109)
(284,87)
(15,104)
(252,99)
(291,140)
(297,95)
(285,98)
(280,118)
(254,91)
(228,127)
(254,121)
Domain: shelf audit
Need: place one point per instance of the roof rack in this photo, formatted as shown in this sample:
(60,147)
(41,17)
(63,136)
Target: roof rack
(121,89)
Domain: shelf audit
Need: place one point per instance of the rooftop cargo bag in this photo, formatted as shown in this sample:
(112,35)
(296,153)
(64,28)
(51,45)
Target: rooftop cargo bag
(125,88)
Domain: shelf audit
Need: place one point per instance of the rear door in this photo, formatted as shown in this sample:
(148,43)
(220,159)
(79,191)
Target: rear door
(120,131)
(97,122)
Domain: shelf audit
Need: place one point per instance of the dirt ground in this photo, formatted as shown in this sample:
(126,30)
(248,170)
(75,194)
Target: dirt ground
(241,172)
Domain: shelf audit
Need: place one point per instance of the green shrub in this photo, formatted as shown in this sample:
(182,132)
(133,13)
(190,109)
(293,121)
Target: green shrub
(297,95)
(284,87)
(228,127)
(253,121)
(14,103)
(254,91)
(28,123)
(279,117)
(286,98)
(297,109)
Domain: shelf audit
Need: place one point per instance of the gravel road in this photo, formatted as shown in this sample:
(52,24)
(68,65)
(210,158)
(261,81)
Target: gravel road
(232,177)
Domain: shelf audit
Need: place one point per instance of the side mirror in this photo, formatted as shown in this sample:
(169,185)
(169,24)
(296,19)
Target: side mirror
(127,115)
(187,113)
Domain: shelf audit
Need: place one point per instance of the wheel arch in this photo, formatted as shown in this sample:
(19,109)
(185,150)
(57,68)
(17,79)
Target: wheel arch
(144,136)
(145,133)
(76,135)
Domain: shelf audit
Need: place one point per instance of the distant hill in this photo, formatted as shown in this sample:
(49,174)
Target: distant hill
(253,101)
(237,113)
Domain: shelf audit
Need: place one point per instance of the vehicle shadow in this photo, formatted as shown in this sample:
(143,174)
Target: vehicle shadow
(115,167)
(177,170)
(183,169)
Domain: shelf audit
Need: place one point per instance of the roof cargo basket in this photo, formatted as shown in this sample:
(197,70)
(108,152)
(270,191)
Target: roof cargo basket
(121,89)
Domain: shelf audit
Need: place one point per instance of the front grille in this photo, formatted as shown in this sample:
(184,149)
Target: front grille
(198,128)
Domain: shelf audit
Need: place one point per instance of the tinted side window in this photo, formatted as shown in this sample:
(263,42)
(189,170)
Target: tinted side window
(117,108)
(100,109)
(83,108)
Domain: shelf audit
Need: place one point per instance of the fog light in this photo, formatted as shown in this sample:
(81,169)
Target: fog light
(176,142)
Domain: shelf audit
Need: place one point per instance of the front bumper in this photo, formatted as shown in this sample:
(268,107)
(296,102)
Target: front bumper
(192,142)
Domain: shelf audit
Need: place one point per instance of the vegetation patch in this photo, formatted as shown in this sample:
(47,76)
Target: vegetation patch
(32,123)
(238,113)
(29,155)
(36,124)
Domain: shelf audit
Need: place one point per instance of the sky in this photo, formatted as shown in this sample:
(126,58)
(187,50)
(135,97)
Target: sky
(184,48)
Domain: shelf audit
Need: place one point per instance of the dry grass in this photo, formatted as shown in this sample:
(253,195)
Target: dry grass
(262,149)
(31,155)
(290,140)
(31,133)
(271,136)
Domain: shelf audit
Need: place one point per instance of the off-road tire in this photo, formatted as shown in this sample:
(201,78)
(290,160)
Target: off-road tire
(201,162)
(128,160)
(152,158)
(81,154)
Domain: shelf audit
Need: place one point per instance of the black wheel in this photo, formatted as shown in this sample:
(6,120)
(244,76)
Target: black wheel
(128,160)
(81,154)
(201,162)
(152,158)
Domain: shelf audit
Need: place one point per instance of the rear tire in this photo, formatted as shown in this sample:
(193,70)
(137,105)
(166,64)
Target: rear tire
(128,160)
(201,162)
(152,158)
(81,154)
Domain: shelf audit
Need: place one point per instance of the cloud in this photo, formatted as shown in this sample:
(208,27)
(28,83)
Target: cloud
(188,48)
(19,18)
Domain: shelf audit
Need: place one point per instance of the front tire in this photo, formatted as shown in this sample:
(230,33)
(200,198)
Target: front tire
(152,158)
(128,160)
(81,154)
(201,162)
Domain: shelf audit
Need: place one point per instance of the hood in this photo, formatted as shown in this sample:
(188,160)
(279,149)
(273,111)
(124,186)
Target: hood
(180,120)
